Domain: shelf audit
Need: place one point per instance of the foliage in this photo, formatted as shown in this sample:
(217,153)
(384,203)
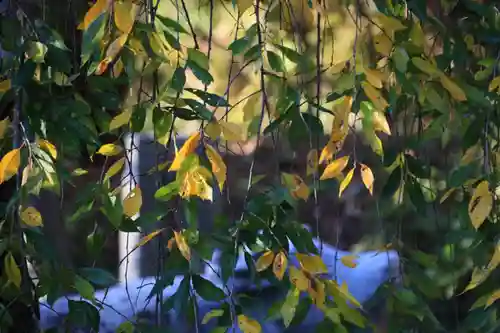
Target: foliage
(403,77)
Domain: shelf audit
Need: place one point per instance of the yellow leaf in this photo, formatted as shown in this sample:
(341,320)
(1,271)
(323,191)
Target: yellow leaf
(120,120)
(332,147)
(218,166)
(312,264)
(375,143)
(335,168)
(312,162)
(243,5)
(279,265)
(97,9)
(493,298)
(375,96)
(297,187)
(5,85)
(182,245)
(194,183)
(380,122)
(188,147)
(117,68)
(125,13)
(480,204)
(144,240)
(4,125)
(110,149)
(264,261)
(248,325)
(494,84)
(114,168)
(48,147)
(116,46)
(231,132)
(317,293)
(132,202)
(471,154)
(346,182)
(478,276)
(417,35)
(212,129)
(383,44)
(31,217)
(374,77)
(11,270)
(10,164)
(425,66)
(157,45)
(455,91)
(349,261)
(390,24)
(299,279)
(212,314)
(367,177)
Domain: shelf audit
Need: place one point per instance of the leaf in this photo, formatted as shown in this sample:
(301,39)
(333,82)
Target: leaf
(98,276)
(206,289)
(374,77)
(215,313)
(248,325)
(126,327)
(146,239)
(383,44)
(380,122)
(188,147)
(345,182)
(93,13)
(297,187)
(494,84)
(114,169)
(48,147)
(279,265)
(110,149)
(198,58)
(298,279)
(166,192)
(133,202)
(125,13)
(182,245)
(480,204)
(12,270)
(425,66)
(417,35)
(312,162)
(213,130)
(493,298)
(218,166)
(4,126)
(231,132)
(375,96)
(390,24)
(243,5)
(84,288)
(349,261)
(335,168)
(120,120)
(31,217)
(455,91)
(289,306)
(10,164)
(5,85)
(367,177)
(275,62)
(264,261)
(312,264)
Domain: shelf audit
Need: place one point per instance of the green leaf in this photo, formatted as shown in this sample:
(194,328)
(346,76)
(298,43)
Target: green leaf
(166,192)
(400,58)
(98,276)
(290,305)
(199,108)
(209,98)
(275,62)
(83,314)
(162,125)
(125,327)
(253,53)
(138,118)
(201,74)
(393,182)
(239,45)
(179,79)
(92,36)
(292,55)
(206,289)
(198,58)
(174,25)
(84,288)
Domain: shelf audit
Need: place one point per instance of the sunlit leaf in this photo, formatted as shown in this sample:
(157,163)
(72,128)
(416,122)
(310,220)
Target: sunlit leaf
(109,149)
(125,12)
(231,131)
(146,239)
(114,168)
(297,187)
(120,120)
(264,261)
(289,306)
(455,91)
(312,264)
(248,325)
(367,177)
(374,77)
(188,148)
(5,85)
(218,166)
(9,165)
(298,279)
(389,24)
(182,245)
(12,270)
(31,217)
(494,84)
(84,288)
(480,204)
(133,202)
(380,122)
(425,66)
(383,44)
(335,168)
(349,261)
(417,35)
(312,162)
(243,5)
(375,96)
(345,182)
(215,313)
(279,265)
(93,13)
(493,298)
(48,147)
